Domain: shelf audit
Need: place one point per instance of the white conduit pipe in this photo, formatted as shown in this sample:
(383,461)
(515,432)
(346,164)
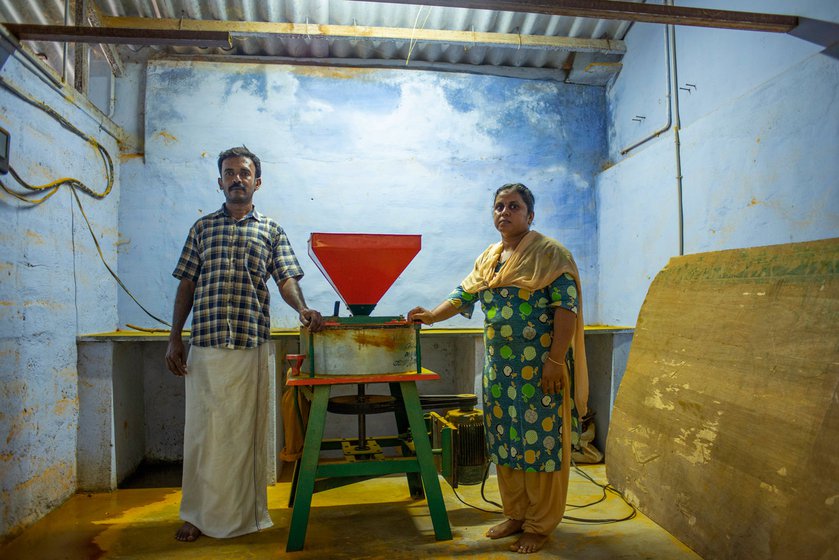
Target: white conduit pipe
(666,126)
(677,126)
(112,98)
(673,121)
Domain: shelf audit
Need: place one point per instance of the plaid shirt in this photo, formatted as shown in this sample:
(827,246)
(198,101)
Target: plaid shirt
(230,262)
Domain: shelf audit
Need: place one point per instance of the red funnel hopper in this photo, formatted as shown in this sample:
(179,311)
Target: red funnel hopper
(362,266)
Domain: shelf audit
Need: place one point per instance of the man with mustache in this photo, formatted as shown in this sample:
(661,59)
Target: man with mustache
(224,267)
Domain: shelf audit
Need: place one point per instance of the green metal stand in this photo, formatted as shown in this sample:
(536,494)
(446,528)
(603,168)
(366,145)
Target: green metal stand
(419,465)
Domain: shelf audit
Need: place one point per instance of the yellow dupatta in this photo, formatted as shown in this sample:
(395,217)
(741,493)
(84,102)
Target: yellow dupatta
(534,264)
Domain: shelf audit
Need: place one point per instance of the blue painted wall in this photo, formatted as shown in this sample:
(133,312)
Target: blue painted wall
(352,150)
(53,287)
(398,152)
(759,138)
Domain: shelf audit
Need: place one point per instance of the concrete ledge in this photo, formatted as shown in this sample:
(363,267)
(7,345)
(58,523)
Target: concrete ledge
(132,407)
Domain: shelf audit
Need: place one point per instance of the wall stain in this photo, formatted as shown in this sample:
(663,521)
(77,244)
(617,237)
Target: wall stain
(34,237)
(61,405)
(56,473)
(167,137)
(44,303)
(20,420)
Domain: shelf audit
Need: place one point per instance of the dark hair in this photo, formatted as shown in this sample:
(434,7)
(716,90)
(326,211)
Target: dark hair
(240,151)
(526,195)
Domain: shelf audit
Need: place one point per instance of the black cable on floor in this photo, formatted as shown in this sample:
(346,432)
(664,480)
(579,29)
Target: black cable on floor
(606,489)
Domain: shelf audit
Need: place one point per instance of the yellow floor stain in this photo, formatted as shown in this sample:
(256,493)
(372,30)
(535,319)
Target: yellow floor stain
(375,519)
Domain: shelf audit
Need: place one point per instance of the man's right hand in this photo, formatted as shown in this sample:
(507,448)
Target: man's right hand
(176,356)
(311,319)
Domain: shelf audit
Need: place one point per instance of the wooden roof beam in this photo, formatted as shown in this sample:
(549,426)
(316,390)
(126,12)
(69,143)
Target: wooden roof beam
(78,34)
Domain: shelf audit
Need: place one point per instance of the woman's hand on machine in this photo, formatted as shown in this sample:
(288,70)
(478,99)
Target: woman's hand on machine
(420,315)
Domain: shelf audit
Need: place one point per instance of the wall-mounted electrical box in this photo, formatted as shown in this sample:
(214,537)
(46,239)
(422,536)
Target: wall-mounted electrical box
(4,150)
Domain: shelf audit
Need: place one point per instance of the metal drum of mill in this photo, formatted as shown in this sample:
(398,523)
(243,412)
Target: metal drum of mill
(360,346)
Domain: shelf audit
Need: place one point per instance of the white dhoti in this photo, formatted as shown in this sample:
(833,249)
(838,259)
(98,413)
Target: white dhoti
(225,441)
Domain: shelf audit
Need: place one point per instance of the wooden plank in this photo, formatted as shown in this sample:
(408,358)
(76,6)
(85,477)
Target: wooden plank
(725,429)
(303,30)
(625,11)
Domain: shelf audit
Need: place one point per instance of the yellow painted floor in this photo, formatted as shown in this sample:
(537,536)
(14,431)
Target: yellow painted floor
(375,519)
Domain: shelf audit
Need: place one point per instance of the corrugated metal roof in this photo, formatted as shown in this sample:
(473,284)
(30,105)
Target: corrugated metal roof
(511,59)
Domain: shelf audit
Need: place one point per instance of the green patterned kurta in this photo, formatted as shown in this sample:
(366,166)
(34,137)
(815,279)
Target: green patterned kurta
(523,424)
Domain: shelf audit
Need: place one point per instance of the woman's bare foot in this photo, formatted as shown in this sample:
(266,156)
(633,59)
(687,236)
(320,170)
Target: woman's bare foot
(529,543)
(505,529)
(188,532)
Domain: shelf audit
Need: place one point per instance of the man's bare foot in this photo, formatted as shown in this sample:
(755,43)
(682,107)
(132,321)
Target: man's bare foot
(188,532)
(505,529)
(529,543)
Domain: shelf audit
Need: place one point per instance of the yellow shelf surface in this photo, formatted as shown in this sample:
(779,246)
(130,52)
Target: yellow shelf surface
(161,334)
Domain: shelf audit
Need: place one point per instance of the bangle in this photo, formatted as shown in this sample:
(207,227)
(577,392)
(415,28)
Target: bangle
(554,361)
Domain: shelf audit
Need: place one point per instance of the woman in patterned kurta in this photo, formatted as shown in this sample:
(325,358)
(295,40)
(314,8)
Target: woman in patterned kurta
(522,422)
(527,286)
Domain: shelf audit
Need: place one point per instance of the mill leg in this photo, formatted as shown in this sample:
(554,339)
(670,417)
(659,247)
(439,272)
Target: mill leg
(308,465)
(430,480)
(414,479)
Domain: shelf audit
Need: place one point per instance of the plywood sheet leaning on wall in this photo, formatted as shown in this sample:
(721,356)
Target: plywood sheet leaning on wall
(725,429)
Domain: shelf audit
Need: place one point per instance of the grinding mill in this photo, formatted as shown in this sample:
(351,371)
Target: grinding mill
(361,268)
(361,349)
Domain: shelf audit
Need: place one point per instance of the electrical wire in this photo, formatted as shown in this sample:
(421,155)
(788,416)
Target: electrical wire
(483,488)
(29,195)
(73,252)
(53,186)
(606,488)
(473,506)
(412,42)
(107,266)
(483,495)
(150,329)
